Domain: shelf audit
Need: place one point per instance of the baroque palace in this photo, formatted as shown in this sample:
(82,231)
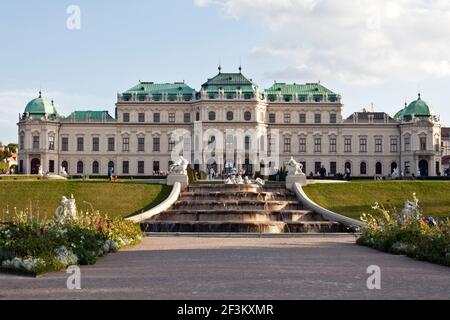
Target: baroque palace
(303,121)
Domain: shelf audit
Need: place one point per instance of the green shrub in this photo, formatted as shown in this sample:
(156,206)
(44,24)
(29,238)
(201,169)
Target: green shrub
(407,233)
(32,246)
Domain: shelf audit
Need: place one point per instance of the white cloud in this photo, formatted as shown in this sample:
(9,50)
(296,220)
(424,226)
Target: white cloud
(362,41)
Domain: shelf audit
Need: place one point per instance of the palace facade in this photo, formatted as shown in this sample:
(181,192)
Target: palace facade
(238,122)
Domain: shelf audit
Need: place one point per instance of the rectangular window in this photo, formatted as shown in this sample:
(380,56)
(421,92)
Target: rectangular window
(379,145)
(111,144)
(51,143)
(333,145)
(302,118)
(80,144)
(394,145)
(51,166)
(156,117)
(155,167)
(21,166)
(35,142)
(287,118)
(317,144)
(423,144)
(65,144)
(141,144)
(407,167)
(317,167)
(287,144)
(247,143)
(407,144)
(333,167)
(156,144)
(126,144)
(272,117)
(317,118)
(171,145)
(22,142)
(141,117)
(187,118)
(348,145)
(363,145)
(171,117)
(126,117)
(126,167)
(141,167)
(95,144)
(333,118)
(302,145)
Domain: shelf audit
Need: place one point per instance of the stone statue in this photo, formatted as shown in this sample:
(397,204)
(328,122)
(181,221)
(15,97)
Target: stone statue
(41,171)
(179,167)
(260,182)
(63,172)
(395,174)
(247,180)
(294,168)
(67,211)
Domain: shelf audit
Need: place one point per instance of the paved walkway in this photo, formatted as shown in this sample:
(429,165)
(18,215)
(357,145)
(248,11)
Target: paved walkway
(237,268)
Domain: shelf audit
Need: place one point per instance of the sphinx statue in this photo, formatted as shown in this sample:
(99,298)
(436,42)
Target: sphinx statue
(179,167)
(294,168)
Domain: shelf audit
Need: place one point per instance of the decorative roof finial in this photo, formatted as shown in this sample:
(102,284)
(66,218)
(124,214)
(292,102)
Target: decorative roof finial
(240,68)
(220,68)
(53,102)
(40,94)
(419,96)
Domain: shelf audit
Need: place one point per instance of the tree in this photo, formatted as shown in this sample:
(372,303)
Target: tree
(4,167)
(12,147)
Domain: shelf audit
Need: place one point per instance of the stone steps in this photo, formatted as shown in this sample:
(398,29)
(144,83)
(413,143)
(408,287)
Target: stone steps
(238,215)
(237,205)
(242,227)
(220,208)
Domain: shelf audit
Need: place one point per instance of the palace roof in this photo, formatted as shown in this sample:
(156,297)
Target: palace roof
(230,82)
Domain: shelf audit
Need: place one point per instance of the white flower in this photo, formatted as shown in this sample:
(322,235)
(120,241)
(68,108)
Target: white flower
(65,256)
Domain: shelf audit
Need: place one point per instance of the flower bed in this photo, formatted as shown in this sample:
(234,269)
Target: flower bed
(408,233)
(33,246)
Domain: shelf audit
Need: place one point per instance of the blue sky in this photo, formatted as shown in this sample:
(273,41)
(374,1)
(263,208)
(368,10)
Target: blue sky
(366,54)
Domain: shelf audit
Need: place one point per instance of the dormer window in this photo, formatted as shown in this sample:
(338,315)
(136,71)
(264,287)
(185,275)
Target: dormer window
(247,116)
(230,115)
(212,116)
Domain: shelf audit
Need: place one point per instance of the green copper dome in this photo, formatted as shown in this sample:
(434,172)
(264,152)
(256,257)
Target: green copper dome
(39,106)
(417,108)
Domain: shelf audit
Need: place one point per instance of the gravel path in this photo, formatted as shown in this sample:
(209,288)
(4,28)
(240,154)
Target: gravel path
(241,268)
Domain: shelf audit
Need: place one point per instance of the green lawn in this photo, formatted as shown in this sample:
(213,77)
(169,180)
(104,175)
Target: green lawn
(354,198)
(113,199)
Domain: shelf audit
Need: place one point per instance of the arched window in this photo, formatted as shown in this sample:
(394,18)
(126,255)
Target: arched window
(95,167)
(247,116)
(65,165)
(80,167)
(348,167)
(393,166)
(230,116)
(363,168)
(212,116)
(378,168)
(111,166)
(197,116)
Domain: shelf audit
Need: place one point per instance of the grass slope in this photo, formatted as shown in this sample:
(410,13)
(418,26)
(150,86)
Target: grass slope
(112,199)
(354,198)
